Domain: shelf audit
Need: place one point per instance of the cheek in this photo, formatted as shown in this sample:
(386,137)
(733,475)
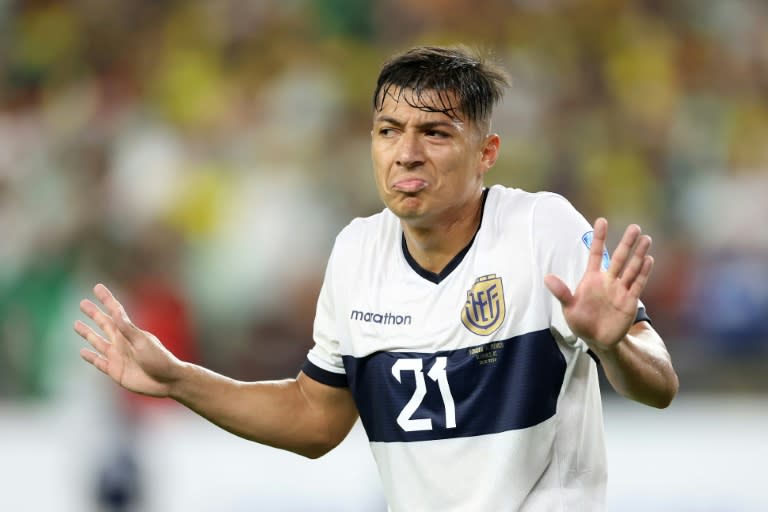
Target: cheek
(382,163)
(379,174)
(379,169)
(455,165)
(378,154)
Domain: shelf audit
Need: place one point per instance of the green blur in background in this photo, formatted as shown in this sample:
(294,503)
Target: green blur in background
(199,158)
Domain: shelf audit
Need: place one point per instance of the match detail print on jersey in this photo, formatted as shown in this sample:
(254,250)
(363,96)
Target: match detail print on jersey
(484,310)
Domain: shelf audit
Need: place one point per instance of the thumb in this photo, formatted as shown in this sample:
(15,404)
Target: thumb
(558,288)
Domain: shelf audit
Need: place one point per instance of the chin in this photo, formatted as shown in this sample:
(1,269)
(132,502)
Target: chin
(407,208)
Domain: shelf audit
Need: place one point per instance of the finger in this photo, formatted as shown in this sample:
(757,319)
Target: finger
(98,342)
(97,315)
(95,359)
(126,327)
(642,278)
(110,302)
(600,230)
(117,312)
(624,250)
(558,288)
(636,262)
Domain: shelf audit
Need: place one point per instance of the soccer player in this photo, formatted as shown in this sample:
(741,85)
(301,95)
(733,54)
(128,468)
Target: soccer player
(463,324)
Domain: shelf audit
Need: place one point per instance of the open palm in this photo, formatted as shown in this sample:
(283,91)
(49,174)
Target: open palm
(133,358)
(604,305)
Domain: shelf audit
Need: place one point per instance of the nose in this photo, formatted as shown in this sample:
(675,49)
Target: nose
(410,152)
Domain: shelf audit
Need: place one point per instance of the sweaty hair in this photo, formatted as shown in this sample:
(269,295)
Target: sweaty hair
(433,78)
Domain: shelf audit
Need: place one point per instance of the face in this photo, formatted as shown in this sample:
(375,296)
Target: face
(428,166)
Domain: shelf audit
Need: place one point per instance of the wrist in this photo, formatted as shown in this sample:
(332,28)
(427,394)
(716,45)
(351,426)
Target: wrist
(605,351)
(180,376)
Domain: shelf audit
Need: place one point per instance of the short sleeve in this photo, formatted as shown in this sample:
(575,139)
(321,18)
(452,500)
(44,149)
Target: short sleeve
(324,363)
(562,238)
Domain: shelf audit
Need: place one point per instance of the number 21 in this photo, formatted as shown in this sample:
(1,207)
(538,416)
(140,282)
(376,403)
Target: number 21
(438,374)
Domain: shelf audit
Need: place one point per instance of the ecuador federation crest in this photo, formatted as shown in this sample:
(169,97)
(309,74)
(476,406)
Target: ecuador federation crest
(484,310)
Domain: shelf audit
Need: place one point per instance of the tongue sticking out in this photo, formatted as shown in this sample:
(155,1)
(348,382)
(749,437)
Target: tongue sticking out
(410,185)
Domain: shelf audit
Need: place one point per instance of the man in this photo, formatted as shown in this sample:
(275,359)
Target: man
(447,321)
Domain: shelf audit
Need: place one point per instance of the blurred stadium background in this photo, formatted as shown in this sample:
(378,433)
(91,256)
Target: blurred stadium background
(199,157)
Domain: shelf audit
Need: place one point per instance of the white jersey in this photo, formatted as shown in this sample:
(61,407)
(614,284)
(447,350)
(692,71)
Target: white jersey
(474,393)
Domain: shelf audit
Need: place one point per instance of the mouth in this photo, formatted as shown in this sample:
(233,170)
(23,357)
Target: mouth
(409,185)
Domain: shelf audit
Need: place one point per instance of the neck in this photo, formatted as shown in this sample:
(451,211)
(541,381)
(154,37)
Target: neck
(433,245)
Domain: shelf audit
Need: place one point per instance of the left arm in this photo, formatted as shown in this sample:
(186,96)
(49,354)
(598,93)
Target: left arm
(639,367)
(602,310)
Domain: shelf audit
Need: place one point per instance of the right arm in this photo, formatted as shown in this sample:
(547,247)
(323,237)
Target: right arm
(300,415)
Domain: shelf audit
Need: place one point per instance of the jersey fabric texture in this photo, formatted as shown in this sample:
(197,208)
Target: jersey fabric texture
(473,391)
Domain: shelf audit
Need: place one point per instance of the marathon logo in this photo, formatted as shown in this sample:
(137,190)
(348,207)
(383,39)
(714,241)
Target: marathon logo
(380,318)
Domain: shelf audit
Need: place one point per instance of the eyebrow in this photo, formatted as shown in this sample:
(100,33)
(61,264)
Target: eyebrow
(427,125)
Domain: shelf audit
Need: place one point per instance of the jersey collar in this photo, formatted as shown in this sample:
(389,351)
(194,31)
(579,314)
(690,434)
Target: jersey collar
(437,277)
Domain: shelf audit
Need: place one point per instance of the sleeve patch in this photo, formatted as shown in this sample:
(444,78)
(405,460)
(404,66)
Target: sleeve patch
(587,239)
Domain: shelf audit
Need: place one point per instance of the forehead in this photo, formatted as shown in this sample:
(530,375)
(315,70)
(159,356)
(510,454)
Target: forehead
(424,104)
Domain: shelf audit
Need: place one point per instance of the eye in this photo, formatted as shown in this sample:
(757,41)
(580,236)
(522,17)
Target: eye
(438,134)
(386,132)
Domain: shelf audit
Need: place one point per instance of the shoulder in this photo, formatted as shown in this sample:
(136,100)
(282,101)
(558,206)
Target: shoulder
(544,221)
(365,235)
(362,229)
(554,212)
(529,210)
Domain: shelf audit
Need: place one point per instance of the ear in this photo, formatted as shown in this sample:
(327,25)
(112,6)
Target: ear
(489,152)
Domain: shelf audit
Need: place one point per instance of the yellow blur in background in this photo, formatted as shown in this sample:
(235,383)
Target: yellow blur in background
(199,158)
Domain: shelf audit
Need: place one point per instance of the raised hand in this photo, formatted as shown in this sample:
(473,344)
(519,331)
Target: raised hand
(604,304)
(133,358)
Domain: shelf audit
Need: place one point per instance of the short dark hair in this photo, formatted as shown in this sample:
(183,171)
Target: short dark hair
(450,72)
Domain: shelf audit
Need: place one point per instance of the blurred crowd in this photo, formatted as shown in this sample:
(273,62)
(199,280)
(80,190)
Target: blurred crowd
(199,158)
